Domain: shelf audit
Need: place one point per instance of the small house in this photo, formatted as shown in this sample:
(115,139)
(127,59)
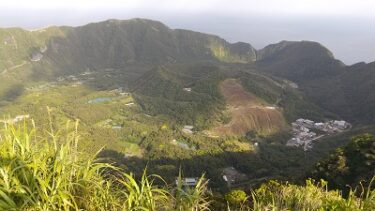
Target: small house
(342,125)
(188,129)
(319,125)
(187,181)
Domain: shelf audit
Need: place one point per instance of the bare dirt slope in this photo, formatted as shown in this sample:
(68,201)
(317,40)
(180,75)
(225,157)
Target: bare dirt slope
(247,112)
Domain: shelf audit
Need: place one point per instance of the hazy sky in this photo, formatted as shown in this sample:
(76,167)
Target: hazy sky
(346,27)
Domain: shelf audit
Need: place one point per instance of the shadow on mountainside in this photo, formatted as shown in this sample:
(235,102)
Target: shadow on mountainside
(269,160)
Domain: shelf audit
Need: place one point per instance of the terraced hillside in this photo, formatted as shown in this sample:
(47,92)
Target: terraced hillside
(247,112)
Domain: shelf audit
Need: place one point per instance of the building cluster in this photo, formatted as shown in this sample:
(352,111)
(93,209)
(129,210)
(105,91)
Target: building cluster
(77,79)
(306,131)
(120,91)
(41,87)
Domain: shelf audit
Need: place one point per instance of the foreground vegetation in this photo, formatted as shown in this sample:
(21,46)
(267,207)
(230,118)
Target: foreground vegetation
(49,173)
(350,164)
(36,173)
(313,196)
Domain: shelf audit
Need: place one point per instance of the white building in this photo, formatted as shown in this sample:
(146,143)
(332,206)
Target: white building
(319,125)
(188,129)
(300,121)
(309,122)
(188,181)
(36,57)
(340,124)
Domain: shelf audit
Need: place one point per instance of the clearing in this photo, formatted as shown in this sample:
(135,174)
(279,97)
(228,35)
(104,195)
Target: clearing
(247,112)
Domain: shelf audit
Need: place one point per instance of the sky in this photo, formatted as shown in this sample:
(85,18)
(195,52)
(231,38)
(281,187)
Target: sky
(346,27)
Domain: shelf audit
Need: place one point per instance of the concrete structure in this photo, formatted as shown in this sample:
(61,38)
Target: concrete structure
(232,175)
(340,124)
(43,49)
(188,129)
(187,182)
(319,125)
(36,57)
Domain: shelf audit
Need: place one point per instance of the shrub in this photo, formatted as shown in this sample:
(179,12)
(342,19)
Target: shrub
(236,197)
(313,196)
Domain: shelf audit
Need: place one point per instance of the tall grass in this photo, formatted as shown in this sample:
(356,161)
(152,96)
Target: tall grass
(49,173)
(192,199)
(313,196)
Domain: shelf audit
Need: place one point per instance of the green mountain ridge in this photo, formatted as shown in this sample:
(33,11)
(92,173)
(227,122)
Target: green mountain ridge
(114,44)
(132,48)
(298,61)
(343,90)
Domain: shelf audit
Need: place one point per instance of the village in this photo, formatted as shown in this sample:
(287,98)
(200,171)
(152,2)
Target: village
(306,131)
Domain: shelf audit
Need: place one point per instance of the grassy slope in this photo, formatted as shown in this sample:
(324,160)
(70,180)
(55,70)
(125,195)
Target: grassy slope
(247,112)
(18,45)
